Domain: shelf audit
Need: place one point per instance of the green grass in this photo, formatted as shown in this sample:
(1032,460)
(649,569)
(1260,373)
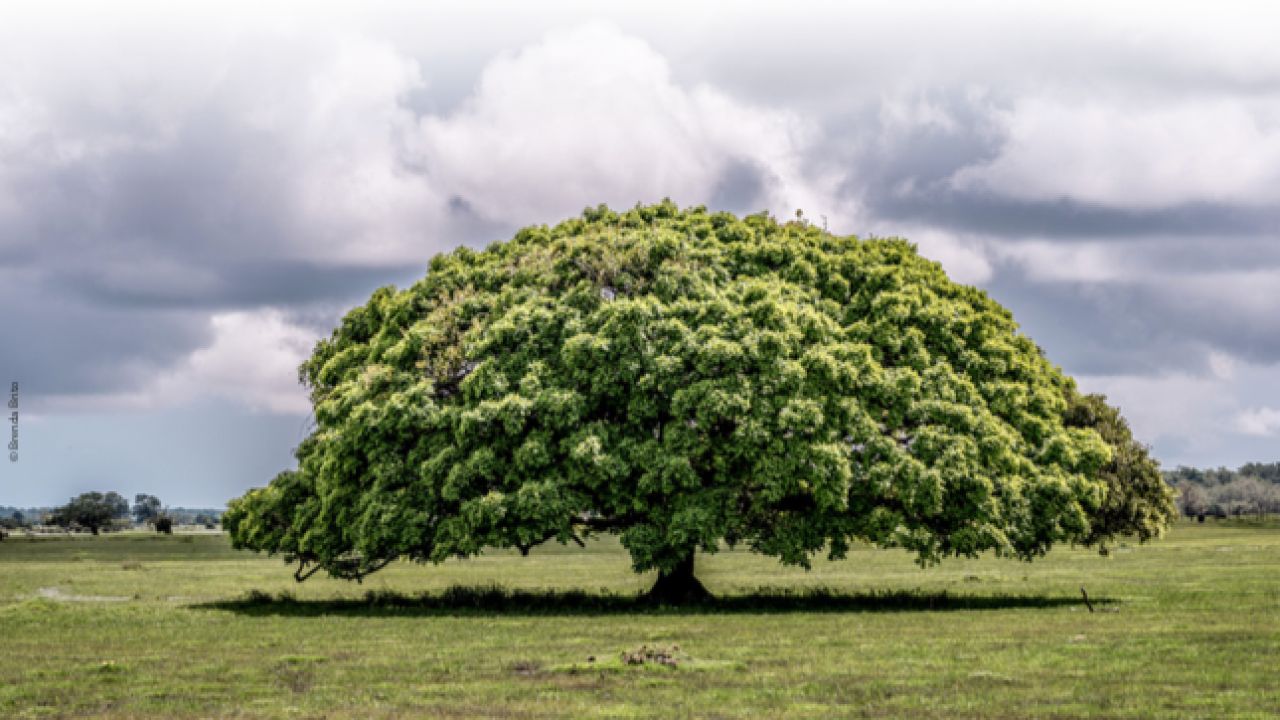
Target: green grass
(184,627)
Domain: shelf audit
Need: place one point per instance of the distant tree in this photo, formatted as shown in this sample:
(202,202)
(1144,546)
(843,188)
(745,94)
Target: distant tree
(1221,480)
(1205,478)
(1192,498)
(91,510)
(1247,494)
(146,508)
(1182,474)
(164,525)
(1269,472)
(1138,503)
(119,505)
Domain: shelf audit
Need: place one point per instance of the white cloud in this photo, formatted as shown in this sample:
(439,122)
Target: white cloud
(1172,406)
(899,115)
(268,144)
(252,360)
(1222,365)
(1193,284)
(1250,293)
(273,146)
(309,115)
(1259,421)
(353,199)
(1217,418)
(325,158)
(592,115)
(963,256)
(1089,262)
(21,120)
(1144,153)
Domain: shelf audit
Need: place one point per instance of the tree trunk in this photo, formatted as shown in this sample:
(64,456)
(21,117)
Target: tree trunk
(678,586)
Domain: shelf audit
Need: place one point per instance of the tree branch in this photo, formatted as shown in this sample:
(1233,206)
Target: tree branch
(301,566)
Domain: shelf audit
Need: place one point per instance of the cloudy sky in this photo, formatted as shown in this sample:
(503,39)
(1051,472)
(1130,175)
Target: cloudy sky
(188,200)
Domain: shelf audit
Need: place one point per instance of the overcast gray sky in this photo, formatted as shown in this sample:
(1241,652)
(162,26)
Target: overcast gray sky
(190,198)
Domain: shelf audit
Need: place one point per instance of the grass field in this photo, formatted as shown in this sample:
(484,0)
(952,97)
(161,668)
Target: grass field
(143,626)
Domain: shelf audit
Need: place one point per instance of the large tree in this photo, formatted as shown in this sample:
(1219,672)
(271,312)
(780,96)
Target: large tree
(681,379)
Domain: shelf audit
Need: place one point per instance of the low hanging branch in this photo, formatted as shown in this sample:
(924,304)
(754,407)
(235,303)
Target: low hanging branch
(524,548)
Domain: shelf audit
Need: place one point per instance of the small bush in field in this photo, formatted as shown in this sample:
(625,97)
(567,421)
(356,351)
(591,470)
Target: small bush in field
(668,655)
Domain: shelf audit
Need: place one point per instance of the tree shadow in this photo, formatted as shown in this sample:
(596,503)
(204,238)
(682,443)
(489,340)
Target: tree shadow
(496,600)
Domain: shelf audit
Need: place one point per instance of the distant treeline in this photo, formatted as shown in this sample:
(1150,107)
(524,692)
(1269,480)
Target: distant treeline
(186,515)
(1253,488)
(182,516)
(1267,472)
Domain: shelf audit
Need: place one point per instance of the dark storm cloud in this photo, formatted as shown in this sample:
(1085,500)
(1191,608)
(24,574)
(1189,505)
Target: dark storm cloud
(1127,329)
(742,188)
(236,283)
(1067,220)
(469,227)
(210,192)
(62,346)
(917,143)
(124,257)
(80,332)
(902,169)
(125,228)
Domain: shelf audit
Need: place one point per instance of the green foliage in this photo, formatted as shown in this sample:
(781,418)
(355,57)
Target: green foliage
(681,378)
(146,508)
(1269,472)
(92,510)
(1138,502)
(1253,488)
(1193,499)
(1265,472)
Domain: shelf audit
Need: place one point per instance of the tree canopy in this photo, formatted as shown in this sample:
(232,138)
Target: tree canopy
(683,378)
(1138,501)
(92,510)
(146,508)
